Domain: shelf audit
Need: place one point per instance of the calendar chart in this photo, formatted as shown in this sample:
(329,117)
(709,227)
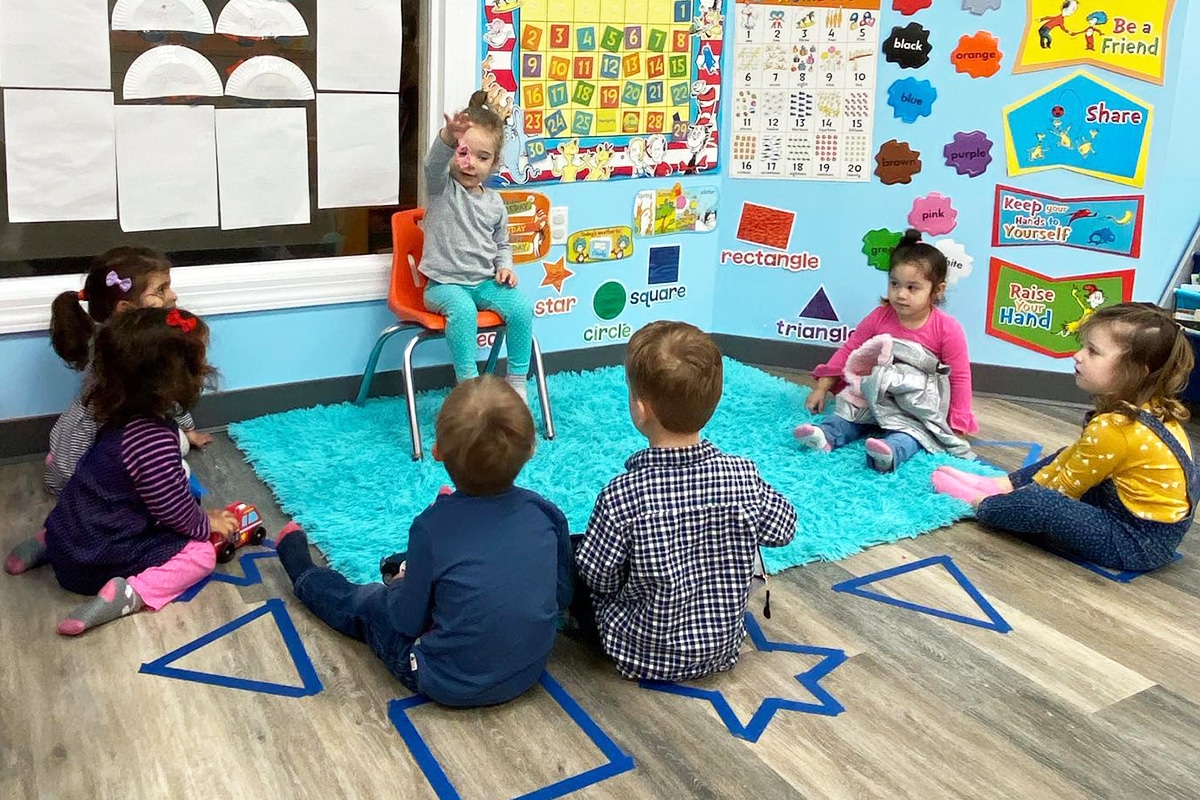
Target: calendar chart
(602,89)
(803,103)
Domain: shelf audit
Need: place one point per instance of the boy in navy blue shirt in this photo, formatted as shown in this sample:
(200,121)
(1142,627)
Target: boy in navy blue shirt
(488,569)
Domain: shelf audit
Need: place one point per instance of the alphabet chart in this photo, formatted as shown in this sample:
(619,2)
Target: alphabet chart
(804,89)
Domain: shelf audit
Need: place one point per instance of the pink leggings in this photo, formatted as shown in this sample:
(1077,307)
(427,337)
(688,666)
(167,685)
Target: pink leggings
(160,585)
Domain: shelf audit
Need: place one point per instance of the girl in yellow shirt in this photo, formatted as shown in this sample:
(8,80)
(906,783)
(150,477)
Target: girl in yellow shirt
(1123,495)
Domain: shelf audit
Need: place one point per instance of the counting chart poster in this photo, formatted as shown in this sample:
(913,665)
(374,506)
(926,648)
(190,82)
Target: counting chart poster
(803,99)
(593,90)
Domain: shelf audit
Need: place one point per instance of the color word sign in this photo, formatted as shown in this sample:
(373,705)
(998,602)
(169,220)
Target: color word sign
(804,89)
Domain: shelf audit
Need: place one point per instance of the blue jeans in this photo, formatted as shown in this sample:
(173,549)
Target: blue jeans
(841,432)
(461,305)
(360,612)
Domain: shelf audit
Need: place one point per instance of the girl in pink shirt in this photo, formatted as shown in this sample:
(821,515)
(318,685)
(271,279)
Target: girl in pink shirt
(916,285)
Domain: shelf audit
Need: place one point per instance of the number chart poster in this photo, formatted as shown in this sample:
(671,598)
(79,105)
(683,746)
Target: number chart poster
(593,90)
(1043,314)
(1128,37)
(804,89)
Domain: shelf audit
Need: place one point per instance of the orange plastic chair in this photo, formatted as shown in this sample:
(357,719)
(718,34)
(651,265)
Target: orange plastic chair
(406,299)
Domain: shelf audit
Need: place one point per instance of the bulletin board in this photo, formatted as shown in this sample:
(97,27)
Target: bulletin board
(224,47)
(593,90)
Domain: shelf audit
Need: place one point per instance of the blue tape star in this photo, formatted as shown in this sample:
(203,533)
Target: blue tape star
(827,704)
(980,7)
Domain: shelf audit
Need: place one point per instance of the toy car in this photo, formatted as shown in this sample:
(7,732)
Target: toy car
(250,531)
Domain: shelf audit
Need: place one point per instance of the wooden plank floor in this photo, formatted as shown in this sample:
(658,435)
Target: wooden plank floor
(1094,694)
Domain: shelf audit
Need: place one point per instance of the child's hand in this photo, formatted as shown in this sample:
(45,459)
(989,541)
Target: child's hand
(223,521)
(456,126)
(197,439)
(815,402)
(506,277)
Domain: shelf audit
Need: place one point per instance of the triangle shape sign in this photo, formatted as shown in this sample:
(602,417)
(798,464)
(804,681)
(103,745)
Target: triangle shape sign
(274,607)
(819,307)
(994,621)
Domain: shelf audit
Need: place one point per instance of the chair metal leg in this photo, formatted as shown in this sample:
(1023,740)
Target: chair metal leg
(494,355)
(364,388)
(543,393)
(410,395)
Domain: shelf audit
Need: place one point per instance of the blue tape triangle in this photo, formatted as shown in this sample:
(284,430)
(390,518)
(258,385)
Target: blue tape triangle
(276,608)
(994,621)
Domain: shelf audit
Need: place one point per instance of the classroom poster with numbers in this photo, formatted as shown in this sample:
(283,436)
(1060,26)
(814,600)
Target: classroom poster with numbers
(803,89)
(592,90)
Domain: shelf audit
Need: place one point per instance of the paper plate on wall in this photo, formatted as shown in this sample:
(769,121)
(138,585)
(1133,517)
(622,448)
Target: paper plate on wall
(261,19)
(162,15)
(269,78)
(171,71)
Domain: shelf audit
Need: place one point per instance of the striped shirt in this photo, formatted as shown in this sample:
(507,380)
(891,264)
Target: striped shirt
(74,433)
(127,507)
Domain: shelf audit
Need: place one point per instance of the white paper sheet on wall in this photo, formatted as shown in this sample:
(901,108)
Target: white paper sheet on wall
(358,150)
(60,155)
(54,44)
(166,167)
(262,166)
(358,47)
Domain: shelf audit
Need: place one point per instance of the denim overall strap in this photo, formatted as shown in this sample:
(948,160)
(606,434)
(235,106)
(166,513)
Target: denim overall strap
(1185,461)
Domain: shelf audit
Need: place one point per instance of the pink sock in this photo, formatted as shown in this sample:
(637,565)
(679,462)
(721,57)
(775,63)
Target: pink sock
(985,485)
(945,483)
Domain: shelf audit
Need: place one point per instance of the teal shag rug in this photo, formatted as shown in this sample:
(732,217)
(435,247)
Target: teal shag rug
(347,476)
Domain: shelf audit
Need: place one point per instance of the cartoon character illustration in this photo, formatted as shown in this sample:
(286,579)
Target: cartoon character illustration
(1125,219)
(496,35)
(514,157)
(706,62)
(505,6)
(622,248)
(1086,146)
(1102,236)
(709,25)
(567,164)
(1094,21)
(1089,297)
(776,18)
(580,248)
(1069,7)
(1082,213)
(749,17)
(705,95)
(643,213)
(656,152)
(697,140)
(499,100)
(598,162)
(807,21)
(635,151)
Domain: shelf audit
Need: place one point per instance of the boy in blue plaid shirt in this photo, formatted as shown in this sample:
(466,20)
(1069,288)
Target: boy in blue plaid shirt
(670,549)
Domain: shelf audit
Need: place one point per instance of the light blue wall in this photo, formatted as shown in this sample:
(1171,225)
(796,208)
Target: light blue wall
(260,349)
(832,217)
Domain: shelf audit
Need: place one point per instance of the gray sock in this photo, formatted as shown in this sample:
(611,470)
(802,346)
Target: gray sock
(115,599)
(27,555)
(517,382)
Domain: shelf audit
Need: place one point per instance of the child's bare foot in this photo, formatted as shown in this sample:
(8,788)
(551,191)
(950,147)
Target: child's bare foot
(115,599)
(812,437)
(27,555)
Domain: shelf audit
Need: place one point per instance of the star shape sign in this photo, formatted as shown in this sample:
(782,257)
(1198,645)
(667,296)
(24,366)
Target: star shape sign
(556,273)
(826,705)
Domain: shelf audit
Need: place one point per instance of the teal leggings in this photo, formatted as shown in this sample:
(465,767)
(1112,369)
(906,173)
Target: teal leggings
(460,304)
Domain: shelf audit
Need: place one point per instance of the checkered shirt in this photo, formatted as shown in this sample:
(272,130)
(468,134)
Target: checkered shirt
(668,556)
